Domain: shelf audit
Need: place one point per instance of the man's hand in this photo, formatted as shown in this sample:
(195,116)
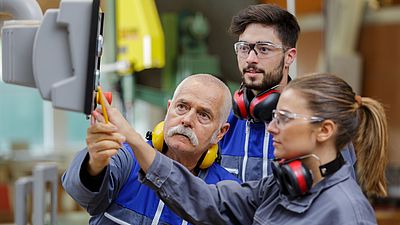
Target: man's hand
(103,141)
(144,153)
(115,117)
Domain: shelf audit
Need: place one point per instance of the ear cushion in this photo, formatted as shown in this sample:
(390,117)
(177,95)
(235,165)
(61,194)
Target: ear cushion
(262,105)
(278,175)
(157,138)
(240,104)
(210,157)
(297,178)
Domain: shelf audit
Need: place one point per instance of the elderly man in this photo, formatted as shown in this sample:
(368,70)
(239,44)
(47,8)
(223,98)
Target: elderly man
(104,177)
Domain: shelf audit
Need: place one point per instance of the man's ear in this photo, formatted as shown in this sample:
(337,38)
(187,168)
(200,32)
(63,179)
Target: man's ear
(222,131)
(290,56)
(169,103)
(326,130)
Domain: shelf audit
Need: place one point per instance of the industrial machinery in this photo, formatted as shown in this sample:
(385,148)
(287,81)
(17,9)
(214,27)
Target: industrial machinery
(194,56)
(58,54)
(139,36)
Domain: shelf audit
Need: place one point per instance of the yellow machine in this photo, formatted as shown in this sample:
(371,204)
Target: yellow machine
(140,38)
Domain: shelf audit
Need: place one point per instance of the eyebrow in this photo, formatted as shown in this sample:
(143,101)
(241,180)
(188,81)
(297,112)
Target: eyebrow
(200,108)
(259,42)
(181,101)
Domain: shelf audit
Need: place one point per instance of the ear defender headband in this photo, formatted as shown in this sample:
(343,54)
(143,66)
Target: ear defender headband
(295,179)
(157,138)
(259,108)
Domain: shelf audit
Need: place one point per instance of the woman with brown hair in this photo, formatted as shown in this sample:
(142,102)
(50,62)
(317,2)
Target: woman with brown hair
(354,118)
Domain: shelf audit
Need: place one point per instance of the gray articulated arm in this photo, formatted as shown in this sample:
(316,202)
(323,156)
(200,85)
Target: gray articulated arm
(21,9)
(59,55)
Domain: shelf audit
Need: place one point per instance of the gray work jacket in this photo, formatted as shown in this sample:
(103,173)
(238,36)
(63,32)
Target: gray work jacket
(337,199)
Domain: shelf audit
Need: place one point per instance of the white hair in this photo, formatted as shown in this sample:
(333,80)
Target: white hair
(211,80)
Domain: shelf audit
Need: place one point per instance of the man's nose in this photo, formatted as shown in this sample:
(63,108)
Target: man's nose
(189,118)
(252,57)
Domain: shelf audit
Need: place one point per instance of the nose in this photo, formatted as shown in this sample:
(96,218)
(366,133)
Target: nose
(189,118)
(272,127)
(252,57)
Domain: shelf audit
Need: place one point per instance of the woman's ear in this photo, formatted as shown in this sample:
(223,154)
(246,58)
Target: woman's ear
(326,130)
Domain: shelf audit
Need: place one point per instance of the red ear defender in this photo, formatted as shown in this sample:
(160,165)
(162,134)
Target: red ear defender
(262,105)
(297,177)
(240,104)
(259,108)
(293,177)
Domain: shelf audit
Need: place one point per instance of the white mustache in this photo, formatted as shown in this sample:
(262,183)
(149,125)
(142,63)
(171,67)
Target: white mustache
(180,129)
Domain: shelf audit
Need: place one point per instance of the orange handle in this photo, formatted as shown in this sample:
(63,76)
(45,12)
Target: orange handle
(108,96)
(103,107)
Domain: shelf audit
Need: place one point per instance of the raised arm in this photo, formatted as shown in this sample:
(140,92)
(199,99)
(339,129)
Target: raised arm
(144,153)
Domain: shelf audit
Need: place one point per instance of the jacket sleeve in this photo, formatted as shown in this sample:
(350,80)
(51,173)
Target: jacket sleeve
(116,173)
(227,202)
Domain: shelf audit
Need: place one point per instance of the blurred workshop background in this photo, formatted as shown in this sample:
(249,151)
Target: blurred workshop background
(359,40)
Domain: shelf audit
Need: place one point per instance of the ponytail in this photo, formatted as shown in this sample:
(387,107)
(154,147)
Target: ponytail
(370,142)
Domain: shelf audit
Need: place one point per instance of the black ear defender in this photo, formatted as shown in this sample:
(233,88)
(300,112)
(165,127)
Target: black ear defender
(246,105)
(262,105)
(295,179)
(157,138)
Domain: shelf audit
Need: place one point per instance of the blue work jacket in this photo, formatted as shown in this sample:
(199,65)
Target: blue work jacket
(121,198)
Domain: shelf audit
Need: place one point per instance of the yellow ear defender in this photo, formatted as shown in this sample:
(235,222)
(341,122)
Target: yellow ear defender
(210,157)
(157,138)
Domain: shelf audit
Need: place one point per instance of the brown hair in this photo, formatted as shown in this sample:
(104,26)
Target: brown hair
(361,120)
(269,15)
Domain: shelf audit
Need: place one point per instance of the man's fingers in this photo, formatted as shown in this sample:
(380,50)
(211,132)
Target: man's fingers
(105,102)
(99,137)
(97,147)
(98,115)
(92,120)
(101,128)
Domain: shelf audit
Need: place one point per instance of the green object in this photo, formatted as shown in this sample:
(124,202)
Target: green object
(191,64)
(194,57)
(233,86)
(186,54)
(152,95)
(169,22)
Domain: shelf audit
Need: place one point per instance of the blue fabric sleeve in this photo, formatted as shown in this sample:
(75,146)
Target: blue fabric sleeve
(96,202)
